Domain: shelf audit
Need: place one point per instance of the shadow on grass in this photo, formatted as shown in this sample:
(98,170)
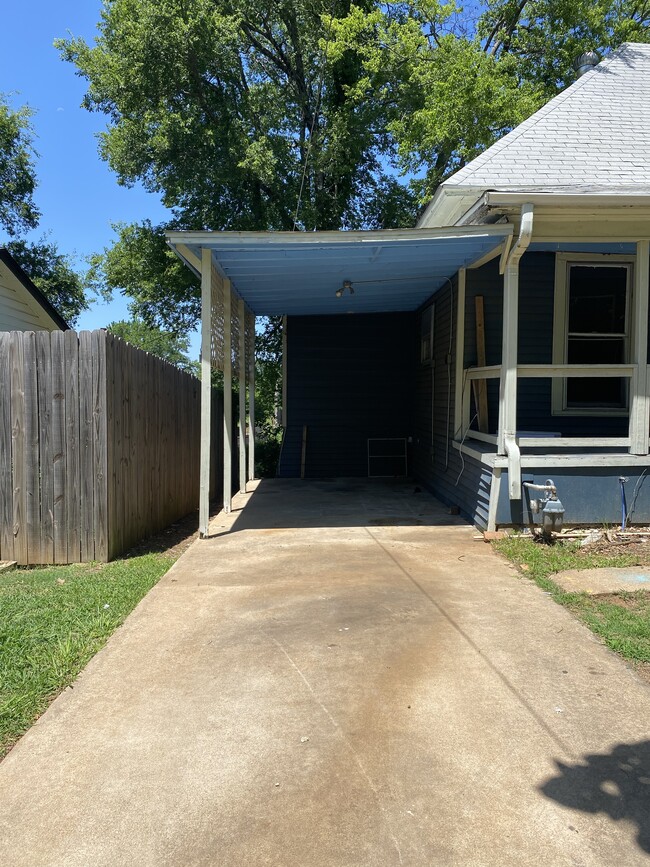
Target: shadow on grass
(615,783)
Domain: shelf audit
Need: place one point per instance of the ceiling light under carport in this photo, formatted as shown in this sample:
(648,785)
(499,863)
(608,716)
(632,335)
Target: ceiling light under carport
(347,284)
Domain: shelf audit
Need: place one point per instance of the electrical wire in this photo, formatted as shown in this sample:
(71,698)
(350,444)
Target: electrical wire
(460,451)
(328,39)
(635,494)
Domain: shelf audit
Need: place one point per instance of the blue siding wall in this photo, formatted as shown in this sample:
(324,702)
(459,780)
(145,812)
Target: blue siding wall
(590,495)
(349,378)
(436,463)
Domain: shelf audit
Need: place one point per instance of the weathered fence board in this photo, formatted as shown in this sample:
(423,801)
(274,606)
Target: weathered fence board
(32,427)
(72,449)
(58,447)
(6,482)
(99,446)
(100,451)
(86,464)
(44,376)
(19,511)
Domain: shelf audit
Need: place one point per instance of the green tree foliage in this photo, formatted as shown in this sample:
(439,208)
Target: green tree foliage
(450,83)
(54,274)
(17,176)
(171,347)
(229,111)
(163,292)
(268,375)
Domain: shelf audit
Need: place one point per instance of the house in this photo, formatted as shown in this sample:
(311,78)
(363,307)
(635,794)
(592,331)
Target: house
(502,341)
(23,307)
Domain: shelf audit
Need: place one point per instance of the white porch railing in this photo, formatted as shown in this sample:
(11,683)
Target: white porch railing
(546,371)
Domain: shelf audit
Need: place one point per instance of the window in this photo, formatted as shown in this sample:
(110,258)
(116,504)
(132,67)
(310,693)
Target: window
(426,335)
(591,326)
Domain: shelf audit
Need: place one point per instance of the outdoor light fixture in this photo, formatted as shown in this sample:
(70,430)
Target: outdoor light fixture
(347,284)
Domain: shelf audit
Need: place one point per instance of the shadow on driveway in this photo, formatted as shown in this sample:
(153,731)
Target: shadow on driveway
(615,783)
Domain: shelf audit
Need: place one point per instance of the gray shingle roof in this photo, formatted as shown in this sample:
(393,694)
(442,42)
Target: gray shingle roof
(594,136)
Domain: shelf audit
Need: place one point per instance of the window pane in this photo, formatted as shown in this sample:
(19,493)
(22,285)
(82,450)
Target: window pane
(596,392)
(596,350)
(597,300)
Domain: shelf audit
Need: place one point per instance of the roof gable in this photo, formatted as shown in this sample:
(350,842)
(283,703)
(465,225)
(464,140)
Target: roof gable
(23,307)
(594,136)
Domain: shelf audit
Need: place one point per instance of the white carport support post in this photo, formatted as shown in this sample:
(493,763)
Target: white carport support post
(459,430)
(227,397)
(251,407)
(206,389)
(507,438)
(639,402)
(242,396)
(284,372)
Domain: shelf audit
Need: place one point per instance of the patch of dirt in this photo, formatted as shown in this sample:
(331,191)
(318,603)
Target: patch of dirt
(631,601)
(630,547)
(172,541)
(642,669)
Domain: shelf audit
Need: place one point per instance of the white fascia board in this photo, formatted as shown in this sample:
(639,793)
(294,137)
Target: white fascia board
(235,240)
(447,205)
(567,200)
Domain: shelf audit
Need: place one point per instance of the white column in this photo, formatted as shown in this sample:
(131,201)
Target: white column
(639,402)
(206,389)
(506,443)
(251,407)
(284,371)
(242,396)
(459,429)
(227,397)
(508,382)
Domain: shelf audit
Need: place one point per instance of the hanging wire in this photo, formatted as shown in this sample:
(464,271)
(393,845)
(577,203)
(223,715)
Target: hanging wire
(313,121)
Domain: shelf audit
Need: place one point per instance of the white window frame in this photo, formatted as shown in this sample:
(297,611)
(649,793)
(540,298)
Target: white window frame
(563,262)
(424,357)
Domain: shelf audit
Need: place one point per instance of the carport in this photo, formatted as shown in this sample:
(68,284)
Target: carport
(249,274)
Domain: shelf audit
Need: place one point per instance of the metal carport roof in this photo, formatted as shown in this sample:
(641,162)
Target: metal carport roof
(298,273)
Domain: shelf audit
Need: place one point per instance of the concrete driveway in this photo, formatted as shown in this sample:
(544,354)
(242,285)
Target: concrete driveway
(340,677)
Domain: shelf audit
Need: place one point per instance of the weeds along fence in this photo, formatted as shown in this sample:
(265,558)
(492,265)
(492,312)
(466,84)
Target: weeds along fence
(99,446)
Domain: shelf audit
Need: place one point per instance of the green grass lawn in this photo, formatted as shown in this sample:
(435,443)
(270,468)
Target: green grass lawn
(622,620)
(52,621)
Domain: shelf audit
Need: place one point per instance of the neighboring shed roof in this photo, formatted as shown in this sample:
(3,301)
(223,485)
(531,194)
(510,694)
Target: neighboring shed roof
(23,307)
(594,135)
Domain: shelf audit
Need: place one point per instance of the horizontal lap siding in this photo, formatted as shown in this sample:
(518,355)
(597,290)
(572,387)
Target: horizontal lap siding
(590,495)
(349,378)
(436,463)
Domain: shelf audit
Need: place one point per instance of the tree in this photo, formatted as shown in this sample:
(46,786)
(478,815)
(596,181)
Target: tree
(230,111)
(53,273)
(268,375)
(171,347)
(164,293)
(17,175)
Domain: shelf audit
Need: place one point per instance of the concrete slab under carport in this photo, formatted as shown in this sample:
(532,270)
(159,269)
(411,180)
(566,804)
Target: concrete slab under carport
(340,676)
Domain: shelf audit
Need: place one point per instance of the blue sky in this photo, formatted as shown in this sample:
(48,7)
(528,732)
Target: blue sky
(77,194)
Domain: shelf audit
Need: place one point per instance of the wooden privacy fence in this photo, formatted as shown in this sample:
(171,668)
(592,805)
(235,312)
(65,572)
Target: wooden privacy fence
(99,446)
